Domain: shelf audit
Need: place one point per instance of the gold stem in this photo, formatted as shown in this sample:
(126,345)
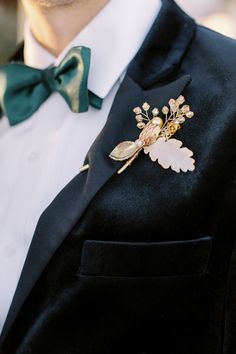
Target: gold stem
(167,120)
(84,168)
(146,115)
(128,163)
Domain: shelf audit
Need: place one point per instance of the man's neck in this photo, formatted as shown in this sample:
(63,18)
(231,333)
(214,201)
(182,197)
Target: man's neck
(55,27)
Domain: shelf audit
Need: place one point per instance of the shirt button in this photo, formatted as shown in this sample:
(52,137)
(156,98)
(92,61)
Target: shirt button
(33,157)
(10,250)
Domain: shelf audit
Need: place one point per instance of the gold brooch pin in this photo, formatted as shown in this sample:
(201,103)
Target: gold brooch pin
(155,137)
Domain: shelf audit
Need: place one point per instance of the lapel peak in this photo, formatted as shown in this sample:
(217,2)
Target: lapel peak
(164,47)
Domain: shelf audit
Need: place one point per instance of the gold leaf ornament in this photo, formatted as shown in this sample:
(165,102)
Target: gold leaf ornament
(155,137)
(124,150)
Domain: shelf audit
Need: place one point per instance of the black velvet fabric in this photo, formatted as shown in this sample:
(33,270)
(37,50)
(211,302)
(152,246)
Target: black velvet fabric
(143,262)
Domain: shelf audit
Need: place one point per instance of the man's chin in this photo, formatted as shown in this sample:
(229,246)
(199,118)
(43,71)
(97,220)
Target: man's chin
(53,3)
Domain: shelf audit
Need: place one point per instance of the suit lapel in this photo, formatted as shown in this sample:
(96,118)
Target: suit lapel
(140,85)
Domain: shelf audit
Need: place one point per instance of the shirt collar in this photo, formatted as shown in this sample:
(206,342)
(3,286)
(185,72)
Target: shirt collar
(114,36)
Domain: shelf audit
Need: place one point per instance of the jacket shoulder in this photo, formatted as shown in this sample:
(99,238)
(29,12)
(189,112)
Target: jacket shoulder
(218,50)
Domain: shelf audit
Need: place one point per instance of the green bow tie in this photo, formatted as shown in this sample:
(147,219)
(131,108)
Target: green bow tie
(23,89)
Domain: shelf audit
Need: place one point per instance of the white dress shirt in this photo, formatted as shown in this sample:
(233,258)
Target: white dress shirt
(39,156)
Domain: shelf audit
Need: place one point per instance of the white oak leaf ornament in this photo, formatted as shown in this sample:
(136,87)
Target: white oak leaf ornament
(171,154)
(155,137)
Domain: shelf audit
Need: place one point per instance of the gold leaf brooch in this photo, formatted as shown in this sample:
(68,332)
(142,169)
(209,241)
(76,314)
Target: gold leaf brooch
(155,137)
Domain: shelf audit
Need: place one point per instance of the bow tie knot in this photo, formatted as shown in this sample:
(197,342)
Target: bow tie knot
(49,79)
(23,89)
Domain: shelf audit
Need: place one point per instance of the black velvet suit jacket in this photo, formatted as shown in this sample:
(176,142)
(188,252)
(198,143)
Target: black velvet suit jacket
(143,262)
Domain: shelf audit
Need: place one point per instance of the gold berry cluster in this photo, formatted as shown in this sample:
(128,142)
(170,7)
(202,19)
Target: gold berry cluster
(174,116)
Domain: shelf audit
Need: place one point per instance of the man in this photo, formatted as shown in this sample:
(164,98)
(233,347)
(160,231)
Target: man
(139,261)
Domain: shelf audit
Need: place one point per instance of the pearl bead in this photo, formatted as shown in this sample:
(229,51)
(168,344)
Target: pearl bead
(157,121)
(139,143)
(141,125)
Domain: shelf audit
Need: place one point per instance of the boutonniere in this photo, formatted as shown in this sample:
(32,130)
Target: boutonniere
(156,139)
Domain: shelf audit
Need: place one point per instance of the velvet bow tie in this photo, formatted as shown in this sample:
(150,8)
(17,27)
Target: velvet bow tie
(23,89)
